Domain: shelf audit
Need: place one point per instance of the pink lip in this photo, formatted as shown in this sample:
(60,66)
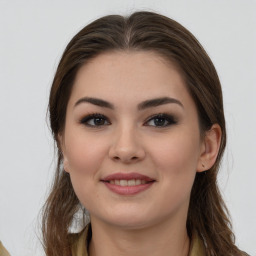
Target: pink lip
(127,176)
(127,190)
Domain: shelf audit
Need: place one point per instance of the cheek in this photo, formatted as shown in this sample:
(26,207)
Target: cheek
(84,154)
(178,151)
(176,160)
(176,163)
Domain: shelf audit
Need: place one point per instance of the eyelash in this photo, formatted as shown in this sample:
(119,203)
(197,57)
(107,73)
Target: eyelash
(85,120)
(167,118)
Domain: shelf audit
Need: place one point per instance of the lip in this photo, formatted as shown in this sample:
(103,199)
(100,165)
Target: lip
(127,190)
(127,176)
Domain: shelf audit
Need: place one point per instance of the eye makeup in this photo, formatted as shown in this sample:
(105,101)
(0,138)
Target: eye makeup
(159,120)
(95,120)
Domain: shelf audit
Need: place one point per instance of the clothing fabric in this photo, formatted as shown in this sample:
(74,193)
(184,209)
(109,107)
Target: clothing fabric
(80,244)
(3,251)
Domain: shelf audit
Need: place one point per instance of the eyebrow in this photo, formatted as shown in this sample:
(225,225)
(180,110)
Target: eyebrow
(143,105)
(95,101)
(158,102)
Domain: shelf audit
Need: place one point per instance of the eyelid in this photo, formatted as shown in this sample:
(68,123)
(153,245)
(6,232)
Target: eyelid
(88,117)
(169,117)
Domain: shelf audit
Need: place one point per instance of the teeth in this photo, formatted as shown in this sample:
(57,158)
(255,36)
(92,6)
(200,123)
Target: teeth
(131,182)
(137,182)
(125,183)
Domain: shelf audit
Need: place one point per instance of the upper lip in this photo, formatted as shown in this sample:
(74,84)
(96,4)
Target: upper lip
(127,176)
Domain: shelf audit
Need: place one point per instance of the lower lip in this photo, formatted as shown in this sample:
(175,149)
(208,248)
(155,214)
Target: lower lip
(128,190)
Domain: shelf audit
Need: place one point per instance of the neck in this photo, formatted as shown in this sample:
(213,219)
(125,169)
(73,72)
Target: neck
(166,239)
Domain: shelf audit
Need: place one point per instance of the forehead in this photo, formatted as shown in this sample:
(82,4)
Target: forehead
(129,76)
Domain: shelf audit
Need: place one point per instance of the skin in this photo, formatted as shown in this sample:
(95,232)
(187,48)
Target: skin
(152,222)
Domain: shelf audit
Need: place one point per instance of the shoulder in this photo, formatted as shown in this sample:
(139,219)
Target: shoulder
(197,247)
(79,242)
(245,254)
(3,251)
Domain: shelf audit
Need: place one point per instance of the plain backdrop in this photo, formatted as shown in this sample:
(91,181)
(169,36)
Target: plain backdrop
(33,35)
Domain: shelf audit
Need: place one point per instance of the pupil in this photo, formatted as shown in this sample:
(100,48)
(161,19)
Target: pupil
(98,121)
(159,121)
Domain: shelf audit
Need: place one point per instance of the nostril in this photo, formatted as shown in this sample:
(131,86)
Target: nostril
(126,154)
(117,158)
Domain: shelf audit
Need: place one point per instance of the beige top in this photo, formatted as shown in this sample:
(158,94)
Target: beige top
(79,245)
(3,251)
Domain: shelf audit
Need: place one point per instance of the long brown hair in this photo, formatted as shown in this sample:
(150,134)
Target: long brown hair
(142,31)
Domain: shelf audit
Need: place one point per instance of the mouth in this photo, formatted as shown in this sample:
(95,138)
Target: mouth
(127,183)
(130,183)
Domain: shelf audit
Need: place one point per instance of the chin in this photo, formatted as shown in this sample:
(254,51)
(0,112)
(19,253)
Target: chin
(130,223)
(138,219)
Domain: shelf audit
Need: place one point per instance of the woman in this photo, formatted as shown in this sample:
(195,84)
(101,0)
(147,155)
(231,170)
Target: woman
(137,115)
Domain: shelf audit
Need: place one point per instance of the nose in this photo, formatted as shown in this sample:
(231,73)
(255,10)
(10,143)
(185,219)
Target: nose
(126,146)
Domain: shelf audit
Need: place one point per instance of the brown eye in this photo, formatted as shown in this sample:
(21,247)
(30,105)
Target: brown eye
(161,120)
(95,120)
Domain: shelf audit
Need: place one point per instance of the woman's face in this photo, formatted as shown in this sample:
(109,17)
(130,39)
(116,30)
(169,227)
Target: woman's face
(131,141)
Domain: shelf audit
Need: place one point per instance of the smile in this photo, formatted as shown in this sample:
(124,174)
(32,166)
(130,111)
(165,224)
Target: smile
(127,183)
(124,183)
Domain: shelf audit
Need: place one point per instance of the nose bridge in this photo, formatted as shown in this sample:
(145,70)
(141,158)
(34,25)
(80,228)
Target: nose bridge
(126,135)
(126,145)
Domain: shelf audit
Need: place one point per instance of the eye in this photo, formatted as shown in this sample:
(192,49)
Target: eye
(95,120)
(161,120)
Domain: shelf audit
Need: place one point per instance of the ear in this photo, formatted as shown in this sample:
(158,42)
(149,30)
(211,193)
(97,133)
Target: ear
(209,148)
(61,146)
